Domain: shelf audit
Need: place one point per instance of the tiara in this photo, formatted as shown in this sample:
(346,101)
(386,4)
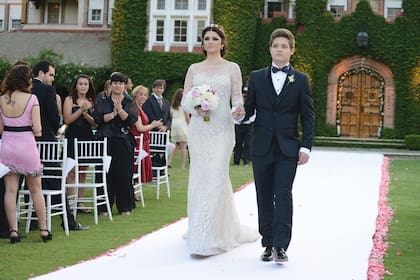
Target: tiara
(218,26)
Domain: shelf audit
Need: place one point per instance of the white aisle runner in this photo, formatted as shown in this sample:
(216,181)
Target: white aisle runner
(335,209)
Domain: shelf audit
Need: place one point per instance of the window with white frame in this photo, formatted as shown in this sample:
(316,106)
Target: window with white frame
(180,30)
(337,10)
(202,5)
(160,4)
(1,18)
(177,22)
(293,7)
(96,8)
(181,4)
(392,13)
(16,23)
(110,9)
(273,6)
(392,8)
(201,24)
(160,30)
(15,16)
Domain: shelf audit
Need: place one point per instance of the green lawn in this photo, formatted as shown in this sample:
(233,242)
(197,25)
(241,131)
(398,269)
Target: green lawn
(32,257)
(403,258)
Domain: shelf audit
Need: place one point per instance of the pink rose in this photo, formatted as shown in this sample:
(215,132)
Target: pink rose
(205,105)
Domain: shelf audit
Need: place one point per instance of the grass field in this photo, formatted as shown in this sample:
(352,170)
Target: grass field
(403,259)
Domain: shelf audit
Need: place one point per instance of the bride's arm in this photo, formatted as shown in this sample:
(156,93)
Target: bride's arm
(236,94)
(186,103)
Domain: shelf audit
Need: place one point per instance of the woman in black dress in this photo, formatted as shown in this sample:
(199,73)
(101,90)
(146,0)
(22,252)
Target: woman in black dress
(78,108)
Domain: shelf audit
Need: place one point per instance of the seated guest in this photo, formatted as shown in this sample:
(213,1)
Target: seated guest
(142,126)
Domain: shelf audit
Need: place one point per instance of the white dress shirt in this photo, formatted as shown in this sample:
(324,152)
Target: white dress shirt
(278,79)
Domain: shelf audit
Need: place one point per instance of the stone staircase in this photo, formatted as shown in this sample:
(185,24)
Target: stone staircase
(393,148)
(359,142)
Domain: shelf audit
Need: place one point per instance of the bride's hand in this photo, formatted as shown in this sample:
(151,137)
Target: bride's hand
(202,112)
(238,113)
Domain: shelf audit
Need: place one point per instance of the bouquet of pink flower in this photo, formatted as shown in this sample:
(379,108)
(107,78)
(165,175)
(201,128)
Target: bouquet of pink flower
(202,97)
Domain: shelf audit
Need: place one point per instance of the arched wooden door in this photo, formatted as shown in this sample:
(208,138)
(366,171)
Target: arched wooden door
(360,103)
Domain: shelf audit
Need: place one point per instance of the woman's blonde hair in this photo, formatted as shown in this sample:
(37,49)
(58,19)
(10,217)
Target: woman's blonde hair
(139,89)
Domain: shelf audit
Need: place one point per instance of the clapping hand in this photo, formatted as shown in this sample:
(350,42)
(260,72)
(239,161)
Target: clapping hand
(86,105)
(157,123)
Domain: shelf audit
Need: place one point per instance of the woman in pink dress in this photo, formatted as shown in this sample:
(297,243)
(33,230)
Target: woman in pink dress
(142,126)
(20,122)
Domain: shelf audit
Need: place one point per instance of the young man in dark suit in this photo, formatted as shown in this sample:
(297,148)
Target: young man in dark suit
(280,96)
(44,73)
(158,108)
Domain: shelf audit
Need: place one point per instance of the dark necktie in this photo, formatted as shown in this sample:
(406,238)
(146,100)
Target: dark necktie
(284,69)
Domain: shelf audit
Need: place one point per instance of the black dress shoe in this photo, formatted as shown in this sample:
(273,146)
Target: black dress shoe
(76,226)
(79,226)
(280,255)
(267,255)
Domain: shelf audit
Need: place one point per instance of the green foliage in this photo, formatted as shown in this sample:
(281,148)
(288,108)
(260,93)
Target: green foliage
(45,54)
(128,35)
(65,73)
(4,67)
(411,10)
(240,22)
(307,11)
(325,42)
(389,133)
(412,142)
(321,43)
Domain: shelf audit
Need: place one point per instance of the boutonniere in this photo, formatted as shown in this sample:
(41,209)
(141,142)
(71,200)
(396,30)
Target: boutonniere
(291,79)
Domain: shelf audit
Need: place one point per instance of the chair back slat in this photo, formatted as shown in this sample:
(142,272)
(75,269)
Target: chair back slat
(158,141)
(52,155)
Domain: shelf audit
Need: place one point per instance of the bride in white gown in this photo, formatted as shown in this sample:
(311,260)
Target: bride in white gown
(214,225)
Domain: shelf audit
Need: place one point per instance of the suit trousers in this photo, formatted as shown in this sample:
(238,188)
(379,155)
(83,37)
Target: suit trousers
(120,175)
(274,174)
(242,147)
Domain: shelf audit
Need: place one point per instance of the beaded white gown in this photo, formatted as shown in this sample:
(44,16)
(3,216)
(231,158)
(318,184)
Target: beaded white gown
(213,226)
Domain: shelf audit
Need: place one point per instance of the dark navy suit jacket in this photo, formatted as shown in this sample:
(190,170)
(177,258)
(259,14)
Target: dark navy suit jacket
(152,109)
(278,115)
(50,119)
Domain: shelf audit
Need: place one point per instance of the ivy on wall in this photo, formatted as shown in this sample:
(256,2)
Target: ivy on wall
(321,43)
(325,42)
(240,24)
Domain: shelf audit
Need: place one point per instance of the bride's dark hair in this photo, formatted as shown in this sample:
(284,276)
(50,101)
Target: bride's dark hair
(220,31)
